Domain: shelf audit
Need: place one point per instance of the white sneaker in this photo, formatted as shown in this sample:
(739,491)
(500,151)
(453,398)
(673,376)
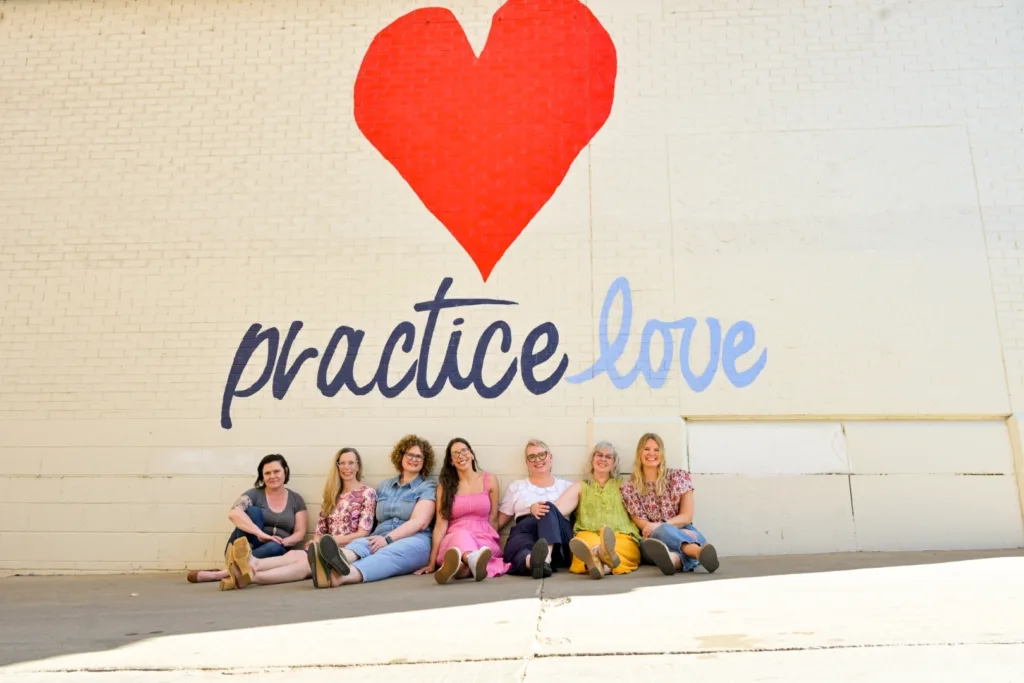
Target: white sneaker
(477,561)
(450,564)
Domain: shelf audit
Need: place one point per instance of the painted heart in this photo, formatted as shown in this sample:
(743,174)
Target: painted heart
(485,141)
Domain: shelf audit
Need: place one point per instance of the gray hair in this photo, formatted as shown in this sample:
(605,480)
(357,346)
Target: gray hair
(603,446)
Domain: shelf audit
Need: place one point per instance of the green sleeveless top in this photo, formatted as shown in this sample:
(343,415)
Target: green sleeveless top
(600,506)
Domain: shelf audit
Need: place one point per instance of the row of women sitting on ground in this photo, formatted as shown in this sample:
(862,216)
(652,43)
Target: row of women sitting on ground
(449,528)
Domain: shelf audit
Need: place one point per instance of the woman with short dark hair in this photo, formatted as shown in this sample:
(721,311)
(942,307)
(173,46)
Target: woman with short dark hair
(270,518)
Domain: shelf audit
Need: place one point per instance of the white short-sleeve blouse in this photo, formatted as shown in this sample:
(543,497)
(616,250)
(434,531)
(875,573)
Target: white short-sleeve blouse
(521,494)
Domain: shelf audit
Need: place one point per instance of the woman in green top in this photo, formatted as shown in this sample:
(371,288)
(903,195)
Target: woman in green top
(606,541)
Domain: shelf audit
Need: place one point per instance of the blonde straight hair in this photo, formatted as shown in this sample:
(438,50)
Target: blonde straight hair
(638,466)
(536,443)
(333,485)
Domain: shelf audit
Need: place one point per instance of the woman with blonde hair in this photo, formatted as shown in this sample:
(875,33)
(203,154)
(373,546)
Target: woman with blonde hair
(346,513)
(400,543)
(539,542)
(606,541)
(660,502)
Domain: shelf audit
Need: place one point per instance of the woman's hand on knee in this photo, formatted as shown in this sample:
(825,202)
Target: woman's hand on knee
(540,509)
(649,528)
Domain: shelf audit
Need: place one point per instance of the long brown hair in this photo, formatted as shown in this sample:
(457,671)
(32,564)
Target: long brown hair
(638,466)
(449,477)
(333,485)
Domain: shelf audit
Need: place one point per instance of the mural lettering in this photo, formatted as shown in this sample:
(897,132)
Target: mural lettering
(538,347)
(739,340)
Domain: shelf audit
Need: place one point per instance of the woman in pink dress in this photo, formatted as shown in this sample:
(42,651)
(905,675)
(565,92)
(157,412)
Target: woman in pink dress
(465,539)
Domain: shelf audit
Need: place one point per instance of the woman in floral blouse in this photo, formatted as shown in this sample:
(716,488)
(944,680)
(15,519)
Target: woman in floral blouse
(660,502)
(346,514)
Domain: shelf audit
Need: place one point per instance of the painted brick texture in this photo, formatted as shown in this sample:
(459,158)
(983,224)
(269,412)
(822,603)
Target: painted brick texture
(847,177)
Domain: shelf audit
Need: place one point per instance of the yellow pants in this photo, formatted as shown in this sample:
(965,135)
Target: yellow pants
(625,547)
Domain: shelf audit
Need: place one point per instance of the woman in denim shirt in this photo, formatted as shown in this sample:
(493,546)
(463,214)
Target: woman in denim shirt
(400,544)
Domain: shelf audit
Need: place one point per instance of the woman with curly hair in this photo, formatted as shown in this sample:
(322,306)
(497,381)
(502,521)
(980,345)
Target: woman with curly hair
(400,544)
(660,502)
(346,513)
(465,539)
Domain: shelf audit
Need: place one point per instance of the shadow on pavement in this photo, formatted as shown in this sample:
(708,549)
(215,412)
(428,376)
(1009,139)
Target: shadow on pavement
(46,616)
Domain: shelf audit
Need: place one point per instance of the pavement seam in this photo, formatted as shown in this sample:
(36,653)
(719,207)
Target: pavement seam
(535,643)
(232,670)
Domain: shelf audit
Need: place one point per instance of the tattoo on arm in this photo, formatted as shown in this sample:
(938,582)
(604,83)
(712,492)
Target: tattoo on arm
(243,503)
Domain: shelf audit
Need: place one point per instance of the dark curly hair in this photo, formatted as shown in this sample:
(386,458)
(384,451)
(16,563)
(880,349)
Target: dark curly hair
(407,442)
(449,476)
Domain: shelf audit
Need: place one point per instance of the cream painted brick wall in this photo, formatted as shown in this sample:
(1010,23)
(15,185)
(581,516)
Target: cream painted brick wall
(847,176)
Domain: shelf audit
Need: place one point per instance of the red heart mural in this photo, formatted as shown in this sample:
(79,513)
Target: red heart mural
(485,142)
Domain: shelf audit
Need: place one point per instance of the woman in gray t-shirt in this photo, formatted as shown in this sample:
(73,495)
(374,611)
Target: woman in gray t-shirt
(271,517)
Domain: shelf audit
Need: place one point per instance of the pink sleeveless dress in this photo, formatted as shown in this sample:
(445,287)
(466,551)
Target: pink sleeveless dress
(469,529)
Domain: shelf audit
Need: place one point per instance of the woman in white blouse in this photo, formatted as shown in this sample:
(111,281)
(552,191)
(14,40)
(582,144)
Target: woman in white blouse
(539,541)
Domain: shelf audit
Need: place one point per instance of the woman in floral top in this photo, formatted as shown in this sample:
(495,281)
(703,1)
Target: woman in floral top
(346,514)
(660,502)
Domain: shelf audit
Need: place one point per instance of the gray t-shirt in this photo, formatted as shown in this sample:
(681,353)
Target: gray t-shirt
(282,523)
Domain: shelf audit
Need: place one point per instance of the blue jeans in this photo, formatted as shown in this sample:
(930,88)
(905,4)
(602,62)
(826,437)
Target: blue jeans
(675,538)
(259,548)
(404,556)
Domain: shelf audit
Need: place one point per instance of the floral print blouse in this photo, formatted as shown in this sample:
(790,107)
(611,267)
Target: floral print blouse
(655,508)
(353,512)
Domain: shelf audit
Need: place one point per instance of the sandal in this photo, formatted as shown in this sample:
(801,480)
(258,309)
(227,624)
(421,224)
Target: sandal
(606,549)
(318,567)
(707,557)
(660,555)
(585,554)
(241,552)
(229,583)
(332,555)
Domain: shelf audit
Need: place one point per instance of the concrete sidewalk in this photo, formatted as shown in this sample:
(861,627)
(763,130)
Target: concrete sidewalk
(944,616)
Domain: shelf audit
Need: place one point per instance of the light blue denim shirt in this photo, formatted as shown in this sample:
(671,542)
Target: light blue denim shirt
(395,502)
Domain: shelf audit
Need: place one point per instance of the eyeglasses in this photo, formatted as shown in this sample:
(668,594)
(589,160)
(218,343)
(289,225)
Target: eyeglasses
(537,457)
(604,456)
(461,454)
(414,457)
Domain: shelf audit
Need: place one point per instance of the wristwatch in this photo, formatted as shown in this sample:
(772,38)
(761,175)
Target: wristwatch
(388,539)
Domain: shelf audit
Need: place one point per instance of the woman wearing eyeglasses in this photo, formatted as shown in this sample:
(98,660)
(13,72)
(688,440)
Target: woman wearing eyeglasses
(660,502)
(539,542)
(400,543)
(465,540)
(346,513)
(607,541)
